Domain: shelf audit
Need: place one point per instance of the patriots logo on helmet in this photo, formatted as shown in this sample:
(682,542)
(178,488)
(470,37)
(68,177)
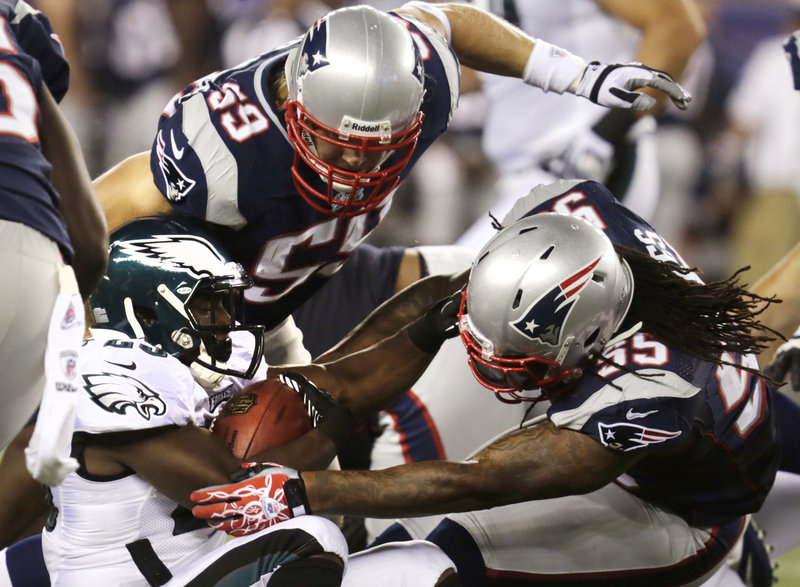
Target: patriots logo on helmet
(117,393)
(314,52)
(627,437)
(181,252)
(178,185)
(545,318)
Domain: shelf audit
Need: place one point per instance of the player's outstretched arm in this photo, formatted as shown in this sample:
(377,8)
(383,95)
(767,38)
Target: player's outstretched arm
(383,361)
(537,463)
(487,43)
(177,460)
(395,313)
(79,205)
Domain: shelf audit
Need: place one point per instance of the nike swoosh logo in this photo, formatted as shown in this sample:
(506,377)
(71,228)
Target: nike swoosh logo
(176,151)
(631,415)
(130,365)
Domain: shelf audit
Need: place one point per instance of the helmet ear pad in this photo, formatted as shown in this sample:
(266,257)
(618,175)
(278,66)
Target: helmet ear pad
(548,290)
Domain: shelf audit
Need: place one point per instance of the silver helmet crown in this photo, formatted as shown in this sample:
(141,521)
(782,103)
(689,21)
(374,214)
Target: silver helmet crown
(549,288)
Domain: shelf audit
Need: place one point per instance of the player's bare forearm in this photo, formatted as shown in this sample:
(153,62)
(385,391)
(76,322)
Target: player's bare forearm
(781,280)
(79,206)
(313,450)
(395,313)
(506,54)
(175,460)
(22,499)
(537,463)
(367,381)
(126,191)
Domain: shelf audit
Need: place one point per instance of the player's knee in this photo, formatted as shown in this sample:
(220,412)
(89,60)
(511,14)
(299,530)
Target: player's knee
(326,533)
(418,562)
(323,570)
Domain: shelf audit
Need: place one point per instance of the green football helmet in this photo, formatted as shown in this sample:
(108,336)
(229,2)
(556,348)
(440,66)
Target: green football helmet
(171,282)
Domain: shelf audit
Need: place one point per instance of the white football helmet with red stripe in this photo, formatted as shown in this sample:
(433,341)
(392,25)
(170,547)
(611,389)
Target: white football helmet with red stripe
(544,297)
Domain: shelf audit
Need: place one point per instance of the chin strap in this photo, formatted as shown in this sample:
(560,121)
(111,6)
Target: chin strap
(625,334)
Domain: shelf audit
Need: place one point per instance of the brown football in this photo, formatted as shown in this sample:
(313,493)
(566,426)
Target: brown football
(263,415)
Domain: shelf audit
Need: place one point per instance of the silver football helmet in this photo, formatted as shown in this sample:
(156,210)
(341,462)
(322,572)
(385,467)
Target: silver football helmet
(355,82)
(544,297)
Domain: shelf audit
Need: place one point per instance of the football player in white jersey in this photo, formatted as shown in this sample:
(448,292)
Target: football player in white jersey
(298,151)
(533,139)
(164,356)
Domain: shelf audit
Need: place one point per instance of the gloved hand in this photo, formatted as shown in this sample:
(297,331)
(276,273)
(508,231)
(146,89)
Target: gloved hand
(613,85)
(786,361)
(269,494)
(331,417)
(790,46)
(586,156)
(437,324)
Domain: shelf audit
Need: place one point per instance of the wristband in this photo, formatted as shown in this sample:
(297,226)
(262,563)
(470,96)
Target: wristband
(552,68)
(424,335)
(295,492)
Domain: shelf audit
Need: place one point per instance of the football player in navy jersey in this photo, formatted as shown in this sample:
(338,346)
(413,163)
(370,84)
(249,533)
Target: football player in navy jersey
(649,373)
(295,154)
(51,226)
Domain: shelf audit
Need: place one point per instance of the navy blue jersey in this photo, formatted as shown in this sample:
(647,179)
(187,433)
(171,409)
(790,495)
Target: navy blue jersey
(708,430)
(222,154)
(365,282)
(28,54)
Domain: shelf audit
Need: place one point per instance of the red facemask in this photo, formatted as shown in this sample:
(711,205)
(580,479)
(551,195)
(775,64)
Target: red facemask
(347,193)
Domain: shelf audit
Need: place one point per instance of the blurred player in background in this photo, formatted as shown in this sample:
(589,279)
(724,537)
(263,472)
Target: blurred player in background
(53,234)
(297,152)
(532,138)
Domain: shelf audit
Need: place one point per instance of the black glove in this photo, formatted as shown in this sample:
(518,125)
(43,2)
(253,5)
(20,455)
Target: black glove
(331,417)
(786,361)
(792,54)
(437,324)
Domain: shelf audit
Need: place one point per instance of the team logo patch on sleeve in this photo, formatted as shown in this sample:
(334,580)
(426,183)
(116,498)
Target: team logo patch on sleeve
(117,393)
(178,185)
(627,437)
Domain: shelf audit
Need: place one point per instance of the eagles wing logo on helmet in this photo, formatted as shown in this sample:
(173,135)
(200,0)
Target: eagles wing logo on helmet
(547,315)
(183,252)
(115,392)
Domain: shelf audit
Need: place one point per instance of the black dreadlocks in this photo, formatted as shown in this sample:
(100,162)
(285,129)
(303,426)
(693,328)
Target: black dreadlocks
(702,320)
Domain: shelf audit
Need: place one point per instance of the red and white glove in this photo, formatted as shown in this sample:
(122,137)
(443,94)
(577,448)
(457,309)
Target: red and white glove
(269,495)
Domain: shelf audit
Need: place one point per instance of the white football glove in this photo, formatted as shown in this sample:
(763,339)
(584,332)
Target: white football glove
(786,362)
(587,156)
(613,85)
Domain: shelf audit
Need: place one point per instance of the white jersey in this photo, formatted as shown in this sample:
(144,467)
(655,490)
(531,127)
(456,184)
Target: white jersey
(106,528)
